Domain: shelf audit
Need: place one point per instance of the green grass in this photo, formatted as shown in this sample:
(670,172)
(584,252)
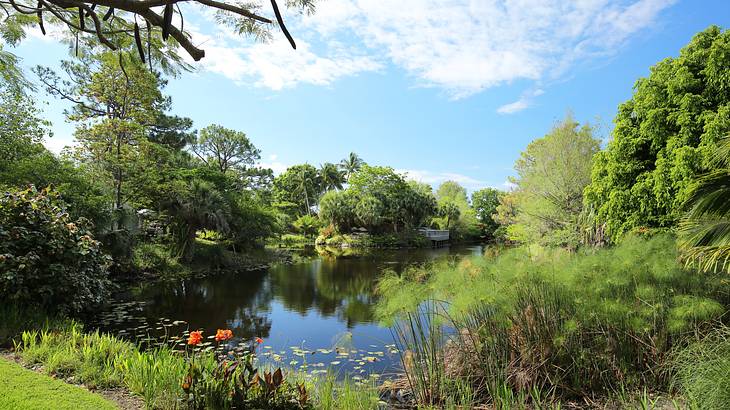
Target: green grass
(702,371)
(24,389)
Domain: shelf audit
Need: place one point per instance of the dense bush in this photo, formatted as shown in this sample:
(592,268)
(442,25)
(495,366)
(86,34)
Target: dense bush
(47,259)
(571,324)
(663,138)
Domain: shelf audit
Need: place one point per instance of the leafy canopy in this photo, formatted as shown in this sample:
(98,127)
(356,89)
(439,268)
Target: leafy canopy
(663,138)
(551,175)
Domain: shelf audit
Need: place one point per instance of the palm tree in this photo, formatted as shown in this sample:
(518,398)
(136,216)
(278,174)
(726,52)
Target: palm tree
(705,230)
(351,164)
(202,207)
(331,177)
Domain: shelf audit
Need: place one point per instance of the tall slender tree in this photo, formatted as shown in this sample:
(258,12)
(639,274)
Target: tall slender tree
(112,105)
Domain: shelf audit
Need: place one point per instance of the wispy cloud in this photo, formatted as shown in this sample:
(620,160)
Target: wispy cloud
(523,102)
(467,46)
(460,46)
(436,178)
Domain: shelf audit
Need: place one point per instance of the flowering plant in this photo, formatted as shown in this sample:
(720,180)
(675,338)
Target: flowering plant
(231,381)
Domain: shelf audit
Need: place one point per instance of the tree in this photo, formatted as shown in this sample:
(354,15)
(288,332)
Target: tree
(463,225)
(225,149)
(451,191)
(338,209)
(113,106)
(307,225)
(298,185)
(552,174)
(11,74)
(450,211)
(663,138)
(155,28)
(705,229)
(200,206)
(330,176)
(172,131)
(351,164)
(369,211)
(485,202)
(21,126)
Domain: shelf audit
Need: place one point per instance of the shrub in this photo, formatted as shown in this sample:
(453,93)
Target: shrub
(47,259)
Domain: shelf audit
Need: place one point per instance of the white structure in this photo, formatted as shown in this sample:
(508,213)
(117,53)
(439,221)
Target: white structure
(435,234)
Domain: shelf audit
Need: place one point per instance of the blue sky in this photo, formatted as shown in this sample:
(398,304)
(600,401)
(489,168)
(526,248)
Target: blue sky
(440,89)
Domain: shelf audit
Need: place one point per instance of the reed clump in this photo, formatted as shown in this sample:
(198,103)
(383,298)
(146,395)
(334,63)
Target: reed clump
(546,325)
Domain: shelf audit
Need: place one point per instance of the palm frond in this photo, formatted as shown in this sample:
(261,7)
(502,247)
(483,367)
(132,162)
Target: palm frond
(705,229)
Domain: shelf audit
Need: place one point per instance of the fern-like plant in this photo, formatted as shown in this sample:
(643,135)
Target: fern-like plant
(705,230)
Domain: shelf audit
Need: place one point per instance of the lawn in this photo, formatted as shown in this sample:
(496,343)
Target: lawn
(24,389)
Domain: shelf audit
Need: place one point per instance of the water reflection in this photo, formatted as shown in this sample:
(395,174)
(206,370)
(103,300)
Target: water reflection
(310,303)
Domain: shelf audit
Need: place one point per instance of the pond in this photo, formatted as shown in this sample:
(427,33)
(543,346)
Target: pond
(317,314)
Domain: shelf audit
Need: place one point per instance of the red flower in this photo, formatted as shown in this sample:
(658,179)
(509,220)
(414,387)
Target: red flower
(195,337)
(223,335)
(259,340)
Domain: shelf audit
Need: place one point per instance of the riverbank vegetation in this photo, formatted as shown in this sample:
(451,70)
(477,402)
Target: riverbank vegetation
(618,290)
(609,285)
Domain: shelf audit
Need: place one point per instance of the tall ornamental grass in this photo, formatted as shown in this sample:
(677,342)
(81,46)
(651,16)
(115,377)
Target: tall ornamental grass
(549,323)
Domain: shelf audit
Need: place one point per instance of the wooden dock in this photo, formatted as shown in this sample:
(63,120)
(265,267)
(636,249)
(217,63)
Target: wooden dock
(437,237)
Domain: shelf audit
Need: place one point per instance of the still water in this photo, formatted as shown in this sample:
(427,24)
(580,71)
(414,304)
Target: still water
(316,314)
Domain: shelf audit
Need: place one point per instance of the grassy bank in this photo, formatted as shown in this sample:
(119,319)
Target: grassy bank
(169,379)
(24,389)
(540,326)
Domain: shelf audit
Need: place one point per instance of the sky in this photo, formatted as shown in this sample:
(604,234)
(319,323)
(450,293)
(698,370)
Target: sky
(437,89)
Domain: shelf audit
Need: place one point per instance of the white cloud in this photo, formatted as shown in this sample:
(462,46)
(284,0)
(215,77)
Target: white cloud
(275,65)
(523,102)
(275,165)
(514,107)
(436,178)
(466,46)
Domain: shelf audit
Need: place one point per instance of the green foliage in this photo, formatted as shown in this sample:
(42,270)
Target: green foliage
(47,259)
(351,164)
(113,106)
(331,177)
(155,375)
(663,138)
(210,384)
(338,208)
(485,202)
(225,149)
(90,357)
(705,229)
(385,200)
(573,324)
(450,212)
(702,371)
(157,259)
(21,126)
(299,185)
(307,225)
(552,174)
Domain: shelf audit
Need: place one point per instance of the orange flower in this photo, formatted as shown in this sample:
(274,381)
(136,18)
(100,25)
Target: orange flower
(259,340)
(223,335)
(195,337)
